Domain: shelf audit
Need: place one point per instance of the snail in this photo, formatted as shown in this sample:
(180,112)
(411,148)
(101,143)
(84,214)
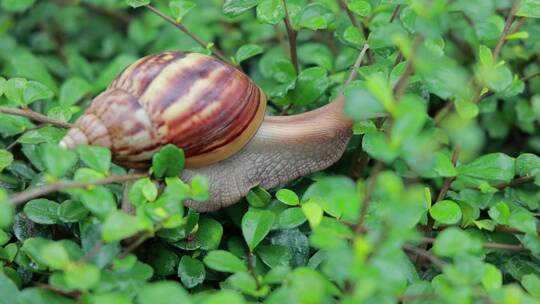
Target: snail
(216,114)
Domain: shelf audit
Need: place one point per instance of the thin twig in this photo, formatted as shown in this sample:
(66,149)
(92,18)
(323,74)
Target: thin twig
(515,182)
(367,196)
(357,64)
(420,252)
(395,13)
(181,27)
(529,77)
(488,245)
(23,197)
(35,116)
(506,30)
(291,33)
(442,194)
(16,141)
(143,237)
(403,81)
(251,268)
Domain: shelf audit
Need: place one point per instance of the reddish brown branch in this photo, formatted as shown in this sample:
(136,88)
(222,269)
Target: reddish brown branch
(23,197)
(35,116)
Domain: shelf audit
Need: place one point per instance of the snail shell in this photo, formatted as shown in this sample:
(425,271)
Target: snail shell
(196,102)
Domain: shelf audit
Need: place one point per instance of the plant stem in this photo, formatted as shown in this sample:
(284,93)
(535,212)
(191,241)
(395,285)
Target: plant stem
(395,13)
(35,116)
(516,182)
(367,196)
(506,30)
(403,81)
(489,245)
(442,194)
(420,252)
(181,27)
(357,64)
(23,197)
(291,33)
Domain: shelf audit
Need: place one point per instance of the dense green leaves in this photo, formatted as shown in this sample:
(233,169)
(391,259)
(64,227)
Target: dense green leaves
(433,200)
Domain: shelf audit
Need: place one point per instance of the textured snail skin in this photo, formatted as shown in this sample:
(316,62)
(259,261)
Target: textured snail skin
(284,148)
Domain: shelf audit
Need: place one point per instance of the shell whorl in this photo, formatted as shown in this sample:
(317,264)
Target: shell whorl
(206,107)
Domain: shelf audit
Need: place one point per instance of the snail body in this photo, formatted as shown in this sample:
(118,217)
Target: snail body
(215,113)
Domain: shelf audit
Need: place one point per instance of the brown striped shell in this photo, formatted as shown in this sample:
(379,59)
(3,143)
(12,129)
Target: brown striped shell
(200,104)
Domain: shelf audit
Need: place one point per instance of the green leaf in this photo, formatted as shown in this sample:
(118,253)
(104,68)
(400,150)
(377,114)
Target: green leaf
(191,271)
(359,7)
(310,85)
(163,260)
(256,223)
(360,104)
(119,225)
(291,218)
(57,160)
(6,158)
(234,8)
(97,158)
(378,146)
(444,166)
(526,164)
(495,166)
(8,290)
(71,211)
(137,3)
(209,233)
(353,36)
(247,51)
(180,8)
(271,11)
(314,213)
(500,213)
(523,221)
(258,197)
(466,109)
(35,91)
(14,90)
(42,135)
(316,53)
(7,210)
(163,292)
(454,241)
(82,276)
(99,200)
(316,16)
(199,188)
(485,55)
(529,8)
(531,282)
(2,85)
(491,278)
(29,66)
(224,261)
(42,211)
(446,212)
(288,197)
(169,161)
(17,6)
(72,90)
(55,255)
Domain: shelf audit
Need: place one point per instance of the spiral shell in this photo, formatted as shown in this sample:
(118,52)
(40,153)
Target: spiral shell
(194,101)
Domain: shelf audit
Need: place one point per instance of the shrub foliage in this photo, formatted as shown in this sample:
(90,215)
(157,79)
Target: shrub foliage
(435,200)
